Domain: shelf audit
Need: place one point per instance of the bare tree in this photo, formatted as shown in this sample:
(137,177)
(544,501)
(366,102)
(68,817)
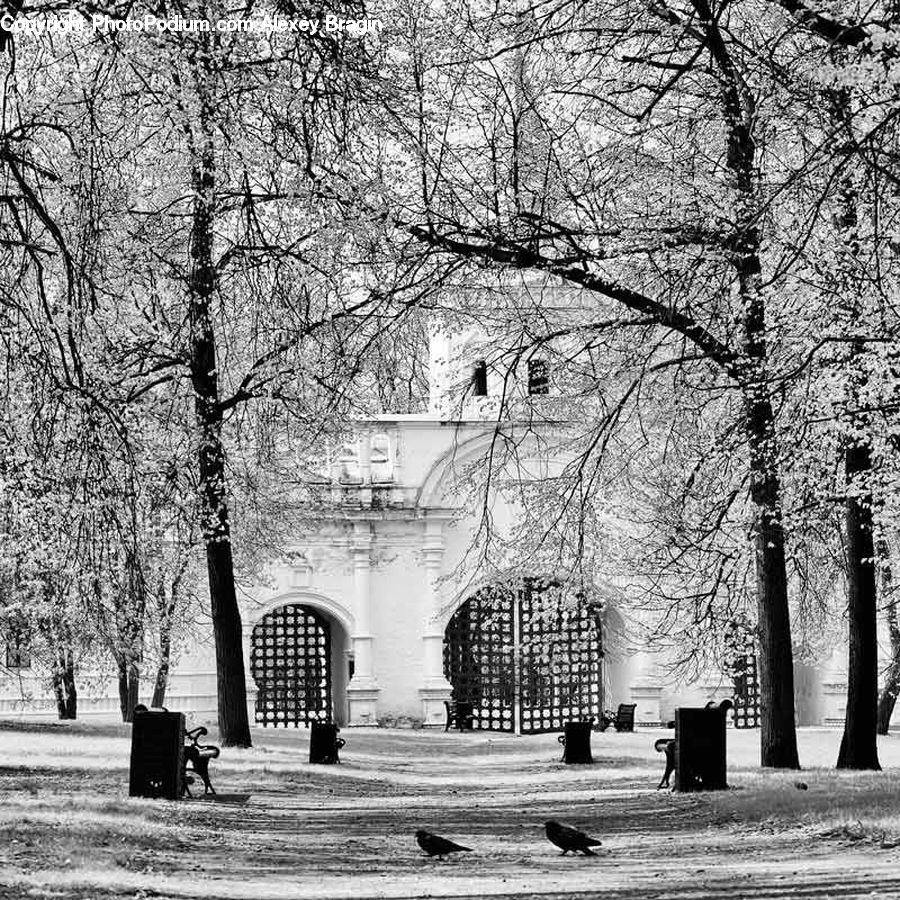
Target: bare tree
(530,183)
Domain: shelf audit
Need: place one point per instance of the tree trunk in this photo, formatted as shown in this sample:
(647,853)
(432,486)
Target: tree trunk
(778,733)
(859,748)
(166,607)
(162,671)
(234,728)
(892,682)
(129,678)
(122,681)
(778,744)
(64,685)
(776,664)
(134,686)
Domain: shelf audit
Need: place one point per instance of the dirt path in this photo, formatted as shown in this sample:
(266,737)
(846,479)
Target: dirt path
(306,831)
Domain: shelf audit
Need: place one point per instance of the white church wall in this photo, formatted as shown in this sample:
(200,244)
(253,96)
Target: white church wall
(399,610)
(340,670)
(391,559)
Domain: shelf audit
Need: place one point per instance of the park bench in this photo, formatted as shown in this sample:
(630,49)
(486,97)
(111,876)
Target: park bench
(622,719)
(197,756)
(460,714)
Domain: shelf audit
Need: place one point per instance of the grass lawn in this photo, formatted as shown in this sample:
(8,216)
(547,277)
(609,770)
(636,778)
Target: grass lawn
(69,829)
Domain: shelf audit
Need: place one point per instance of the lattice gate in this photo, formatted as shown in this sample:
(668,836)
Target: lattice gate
(290,660)
(527,660)
(560,659)
(746,691)
(479,649)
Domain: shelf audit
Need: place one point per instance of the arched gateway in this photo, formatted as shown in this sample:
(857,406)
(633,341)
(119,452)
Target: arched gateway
(528,659)
(290,660)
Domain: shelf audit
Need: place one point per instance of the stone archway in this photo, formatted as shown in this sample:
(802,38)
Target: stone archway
(294,662)
(528,659)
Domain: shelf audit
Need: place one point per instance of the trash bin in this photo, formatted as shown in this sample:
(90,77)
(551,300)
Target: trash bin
(576,743)
(700,749)
(324,743)
(157,755)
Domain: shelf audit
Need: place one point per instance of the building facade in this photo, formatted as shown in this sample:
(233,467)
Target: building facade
(379,612)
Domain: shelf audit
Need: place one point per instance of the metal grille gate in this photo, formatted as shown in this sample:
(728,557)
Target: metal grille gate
(746,692)
(479,646)
(527,660)
(740,648)
(290,660)
(560,659)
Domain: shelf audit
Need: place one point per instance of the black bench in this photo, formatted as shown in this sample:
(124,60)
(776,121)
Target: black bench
(622,719)
(197,756)
(460,714)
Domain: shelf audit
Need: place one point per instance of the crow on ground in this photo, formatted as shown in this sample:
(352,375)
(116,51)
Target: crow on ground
(570,838)
(435,845)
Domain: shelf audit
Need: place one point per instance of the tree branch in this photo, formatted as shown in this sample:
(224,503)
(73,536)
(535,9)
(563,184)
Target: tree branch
(847,35)
(523,258)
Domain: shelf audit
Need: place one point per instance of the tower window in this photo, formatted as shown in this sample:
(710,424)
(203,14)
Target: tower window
(479,379)
(538,376)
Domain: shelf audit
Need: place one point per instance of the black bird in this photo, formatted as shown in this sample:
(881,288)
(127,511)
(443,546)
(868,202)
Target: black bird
(435,845)
(570,838)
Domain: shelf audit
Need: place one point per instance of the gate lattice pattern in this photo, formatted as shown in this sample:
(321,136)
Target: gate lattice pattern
(560,659)
(290,660)
(478,658)
(532,658)
(746,692)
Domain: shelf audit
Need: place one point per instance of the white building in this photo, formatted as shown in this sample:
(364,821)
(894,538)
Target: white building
(379,610)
